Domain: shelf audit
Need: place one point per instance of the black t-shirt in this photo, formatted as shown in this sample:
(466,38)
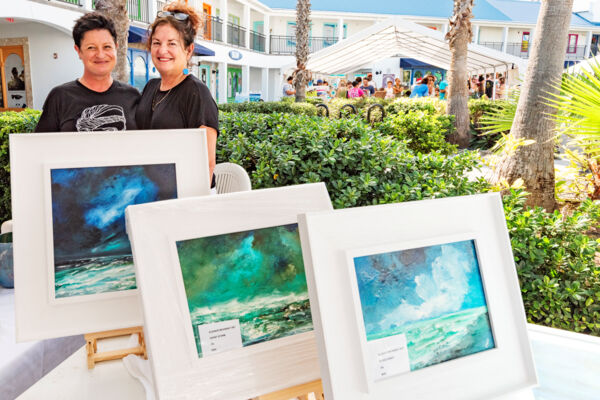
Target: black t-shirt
(72,107)
(187,105)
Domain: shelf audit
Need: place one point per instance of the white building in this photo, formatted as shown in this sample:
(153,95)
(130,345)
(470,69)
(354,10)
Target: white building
(253,40)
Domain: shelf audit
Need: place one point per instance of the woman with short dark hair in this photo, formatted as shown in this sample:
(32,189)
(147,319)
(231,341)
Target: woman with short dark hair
(177,99)
(94,102)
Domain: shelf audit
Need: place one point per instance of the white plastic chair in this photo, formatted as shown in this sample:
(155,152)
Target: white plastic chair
(7,226)
(231,178)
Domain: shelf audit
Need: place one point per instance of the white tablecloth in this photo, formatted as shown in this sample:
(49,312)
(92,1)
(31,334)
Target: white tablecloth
(23,364)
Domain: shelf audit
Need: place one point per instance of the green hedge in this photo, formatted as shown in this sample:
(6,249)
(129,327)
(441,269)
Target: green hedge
(268,107)
(359,165)
(560,280)
(11,122)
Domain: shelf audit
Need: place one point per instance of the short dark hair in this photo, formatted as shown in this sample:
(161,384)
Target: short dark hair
(290,78)
(90,22)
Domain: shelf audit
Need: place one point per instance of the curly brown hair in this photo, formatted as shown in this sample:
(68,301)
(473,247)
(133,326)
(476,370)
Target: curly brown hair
(187,29)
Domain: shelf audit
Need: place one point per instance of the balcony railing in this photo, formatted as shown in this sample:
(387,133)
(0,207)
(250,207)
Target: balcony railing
(520,50)
(213,28)
(236,35)
(287,44)
(257,41)
(137,10)
(75,2)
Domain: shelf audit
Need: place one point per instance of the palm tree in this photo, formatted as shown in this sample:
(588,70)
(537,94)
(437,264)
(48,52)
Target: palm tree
(116,10)
(459,36)
(302,75)
(535,163)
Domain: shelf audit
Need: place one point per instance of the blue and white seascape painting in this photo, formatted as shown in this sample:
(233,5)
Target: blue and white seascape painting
(91,250)
(433,295)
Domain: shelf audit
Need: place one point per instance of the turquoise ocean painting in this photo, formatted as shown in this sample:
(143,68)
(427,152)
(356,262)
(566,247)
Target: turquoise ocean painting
(91,250)
(256,277)
(433,295)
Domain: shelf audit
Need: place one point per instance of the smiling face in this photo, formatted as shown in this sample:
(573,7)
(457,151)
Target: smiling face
(98,52)
(168,52)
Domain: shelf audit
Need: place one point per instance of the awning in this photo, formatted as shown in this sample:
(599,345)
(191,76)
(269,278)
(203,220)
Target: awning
(139,35)
(398,37)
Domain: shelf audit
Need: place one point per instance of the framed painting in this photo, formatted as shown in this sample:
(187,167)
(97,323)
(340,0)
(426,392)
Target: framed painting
(224,292)
(427,303)
(74,269)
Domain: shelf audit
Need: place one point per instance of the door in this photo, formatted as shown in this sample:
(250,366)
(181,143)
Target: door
(525,42)
(572,43)
(234,83)
(206,8)
(204,74)
(13,90)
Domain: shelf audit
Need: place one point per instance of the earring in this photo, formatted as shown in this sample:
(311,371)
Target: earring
(186,71)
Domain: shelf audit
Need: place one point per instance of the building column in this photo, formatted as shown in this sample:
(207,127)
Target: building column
(264,87)
(222,87)
(445,29)
(87,5)
(505,39)
(340,29)
(152,10)
(246,80)
(588,44)
(476,34)
(225,18)
(267,32)
(248,23)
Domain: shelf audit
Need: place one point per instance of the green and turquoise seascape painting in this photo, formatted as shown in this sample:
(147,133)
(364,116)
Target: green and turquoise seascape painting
(433,295)
(256,277)
(92,254)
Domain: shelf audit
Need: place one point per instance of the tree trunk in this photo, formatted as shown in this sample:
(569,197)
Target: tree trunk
(535,163)
(116,10)
(301,75)
(459,36)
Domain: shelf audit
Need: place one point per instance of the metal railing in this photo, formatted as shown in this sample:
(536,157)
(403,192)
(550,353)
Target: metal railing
(75,2)
(138,10)
(257,41)
(236,35)
(520,50)
(213,28)
(492,45)
(287,44)
(576,52)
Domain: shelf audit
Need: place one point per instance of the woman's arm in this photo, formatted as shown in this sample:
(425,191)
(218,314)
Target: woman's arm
(211,145)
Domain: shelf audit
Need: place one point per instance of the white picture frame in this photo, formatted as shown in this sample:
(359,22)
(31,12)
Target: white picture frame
(179,371)
(332,240)
(39,313)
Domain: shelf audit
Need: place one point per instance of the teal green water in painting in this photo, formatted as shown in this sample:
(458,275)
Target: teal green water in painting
(254,276)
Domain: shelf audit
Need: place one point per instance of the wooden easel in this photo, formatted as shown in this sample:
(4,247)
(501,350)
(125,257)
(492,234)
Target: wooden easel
(301,392)
(91,346)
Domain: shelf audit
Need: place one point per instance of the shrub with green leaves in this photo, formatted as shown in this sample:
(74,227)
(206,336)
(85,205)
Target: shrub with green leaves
(560,281)
(425,132)
(11,122)
(484,108)
(359,165)
(404,105)
(268,107)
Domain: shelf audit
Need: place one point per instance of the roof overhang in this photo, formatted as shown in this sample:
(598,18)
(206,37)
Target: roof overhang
(397,37)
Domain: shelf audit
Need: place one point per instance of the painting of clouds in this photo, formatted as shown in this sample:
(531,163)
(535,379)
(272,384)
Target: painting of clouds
(91,249)
(255,277)
(432,295)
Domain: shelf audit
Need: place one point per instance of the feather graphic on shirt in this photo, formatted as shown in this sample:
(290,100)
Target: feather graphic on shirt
(102,117)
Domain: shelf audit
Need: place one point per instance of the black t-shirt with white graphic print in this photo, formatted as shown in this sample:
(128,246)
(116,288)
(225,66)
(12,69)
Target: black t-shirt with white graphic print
(187,105)
(72,107)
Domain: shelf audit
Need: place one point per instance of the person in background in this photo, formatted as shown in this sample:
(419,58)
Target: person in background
(389,90)
(349,87)
(342,90)
(355,92)
(368,86)
(480,86)
(501,92)
(431,85)
(422,89)
(177,100)
(489,86)
(443,89)
(397,87)
(94,102)
(288,87)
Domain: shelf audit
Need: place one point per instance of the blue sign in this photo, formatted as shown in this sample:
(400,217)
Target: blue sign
(235,55)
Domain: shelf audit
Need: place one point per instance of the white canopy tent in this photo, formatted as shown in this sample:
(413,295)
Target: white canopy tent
(398,37)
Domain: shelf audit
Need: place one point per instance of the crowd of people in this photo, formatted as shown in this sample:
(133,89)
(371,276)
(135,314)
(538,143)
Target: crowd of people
(483,85)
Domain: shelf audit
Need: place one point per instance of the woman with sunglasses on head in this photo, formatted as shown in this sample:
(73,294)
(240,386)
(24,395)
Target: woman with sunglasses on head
(177,100)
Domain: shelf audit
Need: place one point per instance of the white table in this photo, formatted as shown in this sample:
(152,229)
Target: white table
(568,366)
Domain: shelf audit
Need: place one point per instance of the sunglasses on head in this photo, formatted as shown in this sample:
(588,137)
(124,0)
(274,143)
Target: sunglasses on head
(179,16)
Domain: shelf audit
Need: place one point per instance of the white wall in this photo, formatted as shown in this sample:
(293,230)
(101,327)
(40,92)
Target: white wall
(275,84)
(388,66)
(515,35)
(46,72)
(256,80)
(490,34)
(236,9)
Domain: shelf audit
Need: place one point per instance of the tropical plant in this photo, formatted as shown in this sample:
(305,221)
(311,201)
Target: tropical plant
(301,74)
(459,36)
(535,163)
(116,10)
